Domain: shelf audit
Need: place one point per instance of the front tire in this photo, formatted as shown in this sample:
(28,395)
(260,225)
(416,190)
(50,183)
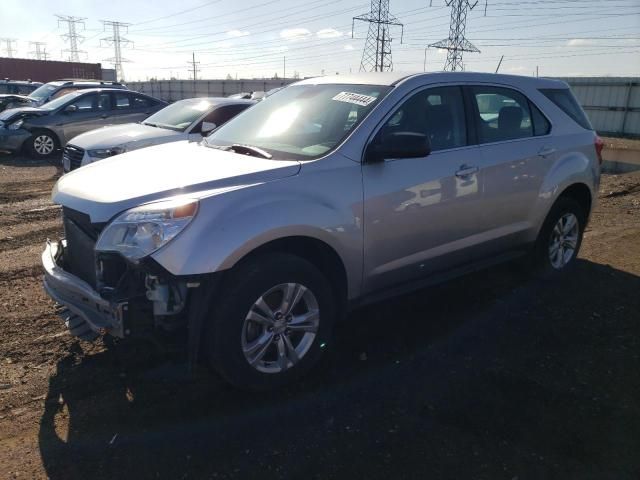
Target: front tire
(270,323)
(42,144)
(560,237)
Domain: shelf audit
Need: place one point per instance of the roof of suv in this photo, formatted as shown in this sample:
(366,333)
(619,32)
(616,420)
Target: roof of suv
(19,82)
(84,82)
(393,78)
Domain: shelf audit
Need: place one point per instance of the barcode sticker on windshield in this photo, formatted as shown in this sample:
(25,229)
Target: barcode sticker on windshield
(356,98)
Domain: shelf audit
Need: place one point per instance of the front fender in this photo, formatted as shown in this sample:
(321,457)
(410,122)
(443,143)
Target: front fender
(232,225)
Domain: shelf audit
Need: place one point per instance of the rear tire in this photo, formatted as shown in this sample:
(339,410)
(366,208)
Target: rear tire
(270,322)
(560,237)
(42,144)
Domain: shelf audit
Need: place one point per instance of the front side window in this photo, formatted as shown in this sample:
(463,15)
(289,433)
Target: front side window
(220,115)
(104,102)
(301,121)
(436,112)
(503,114)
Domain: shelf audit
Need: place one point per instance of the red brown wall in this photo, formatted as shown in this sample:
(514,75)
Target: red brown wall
(46,71)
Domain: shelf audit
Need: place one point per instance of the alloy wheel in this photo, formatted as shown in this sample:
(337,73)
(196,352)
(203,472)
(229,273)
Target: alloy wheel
(563,241)
(43,144)
(280,328)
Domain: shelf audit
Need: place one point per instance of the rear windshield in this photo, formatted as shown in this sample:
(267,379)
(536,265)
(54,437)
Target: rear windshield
(565,101)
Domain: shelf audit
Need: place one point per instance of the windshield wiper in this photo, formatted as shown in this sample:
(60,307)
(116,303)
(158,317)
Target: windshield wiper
(250,150)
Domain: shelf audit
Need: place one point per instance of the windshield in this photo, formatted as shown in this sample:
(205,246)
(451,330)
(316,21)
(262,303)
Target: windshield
(301,121)
(179,115)
(43,92)
(60,101)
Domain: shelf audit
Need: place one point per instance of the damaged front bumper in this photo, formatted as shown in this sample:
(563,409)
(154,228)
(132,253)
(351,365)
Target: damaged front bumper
(85,305)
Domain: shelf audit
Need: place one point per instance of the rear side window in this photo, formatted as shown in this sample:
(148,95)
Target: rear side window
(122,101)
(141,102)
(565,101)
(502,114)
(541,125)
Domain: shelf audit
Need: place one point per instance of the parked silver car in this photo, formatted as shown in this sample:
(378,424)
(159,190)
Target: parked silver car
(44,130)
(336,192)
(189,119)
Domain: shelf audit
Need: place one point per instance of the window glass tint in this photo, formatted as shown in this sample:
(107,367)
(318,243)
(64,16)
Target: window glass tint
(61,92)
(104,102)
(4,88)
(564,99)
(141,102)
(437,113)
(122,101)
(541,125)
(25,89)
(86,103)
(504,114)
(221,115)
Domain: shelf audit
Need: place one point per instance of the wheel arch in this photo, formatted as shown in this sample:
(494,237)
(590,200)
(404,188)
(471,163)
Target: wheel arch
(317,252)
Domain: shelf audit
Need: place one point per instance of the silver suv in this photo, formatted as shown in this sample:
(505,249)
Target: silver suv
(332,193)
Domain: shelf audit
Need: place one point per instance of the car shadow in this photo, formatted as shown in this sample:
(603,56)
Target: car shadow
(493,375)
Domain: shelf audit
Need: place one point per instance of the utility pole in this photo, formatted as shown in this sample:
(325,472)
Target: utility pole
(8,42)
(118,42)
(499,63)
(457,44)
(376,56)
(40,51)
(194,70)
(72,36)
(284,67)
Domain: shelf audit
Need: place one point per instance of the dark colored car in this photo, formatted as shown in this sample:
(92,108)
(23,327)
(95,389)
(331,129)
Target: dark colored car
(52,90)
(43,130)
(15,92)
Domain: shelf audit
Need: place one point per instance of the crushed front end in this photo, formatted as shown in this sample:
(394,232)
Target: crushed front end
(105,293)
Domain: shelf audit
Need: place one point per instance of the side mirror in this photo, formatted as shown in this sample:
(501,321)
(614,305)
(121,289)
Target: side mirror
(398,145)
(207,128)
(70,109)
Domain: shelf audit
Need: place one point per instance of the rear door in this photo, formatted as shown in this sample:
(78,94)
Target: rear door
(516,152)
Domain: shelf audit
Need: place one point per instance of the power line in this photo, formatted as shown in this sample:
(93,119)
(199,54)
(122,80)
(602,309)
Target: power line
(118,42)
(40,51)
(376,56)
(8,45)
(72,35)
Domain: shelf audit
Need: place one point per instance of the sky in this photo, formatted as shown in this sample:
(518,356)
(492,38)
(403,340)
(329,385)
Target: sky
(262,38)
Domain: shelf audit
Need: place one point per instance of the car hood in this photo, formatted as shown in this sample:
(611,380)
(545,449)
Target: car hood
(122,135)
(106,188)
(14,113)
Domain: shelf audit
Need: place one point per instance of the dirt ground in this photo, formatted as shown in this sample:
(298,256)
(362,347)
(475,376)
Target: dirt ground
(496,375)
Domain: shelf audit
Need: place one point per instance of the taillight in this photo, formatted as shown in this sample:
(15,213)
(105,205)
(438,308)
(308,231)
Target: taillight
(599,144)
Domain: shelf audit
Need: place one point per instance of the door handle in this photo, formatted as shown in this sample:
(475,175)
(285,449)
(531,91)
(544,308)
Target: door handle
(546,151)
(466,170)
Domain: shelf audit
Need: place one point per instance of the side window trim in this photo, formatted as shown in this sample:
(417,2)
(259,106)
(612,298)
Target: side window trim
(393,110)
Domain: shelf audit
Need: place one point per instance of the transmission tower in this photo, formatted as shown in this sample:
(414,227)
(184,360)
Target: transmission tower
(118,42)
(457,44)
(8,42)
(72,35)
(376,56)
(40,51)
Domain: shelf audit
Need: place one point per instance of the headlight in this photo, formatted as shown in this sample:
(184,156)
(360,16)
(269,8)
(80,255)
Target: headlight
(105,152)
(15,125)
(141,231)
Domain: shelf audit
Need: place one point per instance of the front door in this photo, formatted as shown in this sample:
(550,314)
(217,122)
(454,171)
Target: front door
(92,111)
(421,214)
